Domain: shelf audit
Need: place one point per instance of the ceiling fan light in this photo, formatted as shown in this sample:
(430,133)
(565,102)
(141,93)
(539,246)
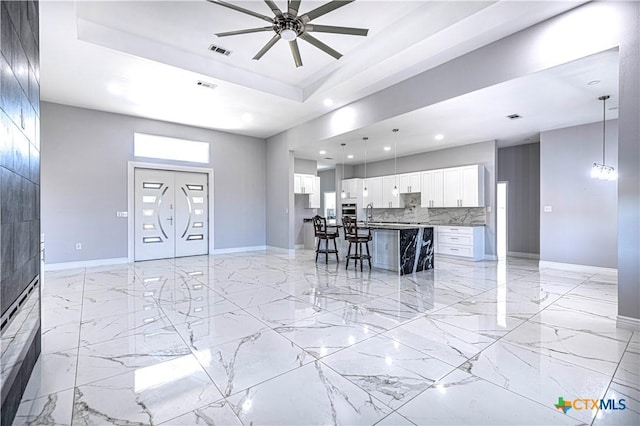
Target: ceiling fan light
(288,35)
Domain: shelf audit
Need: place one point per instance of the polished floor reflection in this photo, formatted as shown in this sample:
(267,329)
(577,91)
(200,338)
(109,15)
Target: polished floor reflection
(272,339)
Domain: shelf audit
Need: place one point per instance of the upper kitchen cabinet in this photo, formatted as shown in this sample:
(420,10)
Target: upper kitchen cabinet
(314,197)
(432,193)
(464,186)
(353,191)
(389,200)
(304,184)
(409,182)
(375,193)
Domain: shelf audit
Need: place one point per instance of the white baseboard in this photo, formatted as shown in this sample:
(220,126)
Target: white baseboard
(577,268)
(524,255)
(281,250)
(490,257)
(85,264)
(239,249)
(628,323)
(299,246)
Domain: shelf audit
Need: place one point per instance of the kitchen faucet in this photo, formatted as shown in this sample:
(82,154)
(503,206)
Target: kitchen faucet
(369,212)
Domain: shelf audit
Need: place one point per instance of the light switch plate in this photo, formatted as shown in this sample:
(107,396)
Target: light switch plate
(548,209)
(488,209)
(122,214)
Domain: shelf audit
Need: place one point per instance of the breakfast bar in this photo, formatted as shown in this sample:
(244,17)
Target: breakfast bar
(402,248)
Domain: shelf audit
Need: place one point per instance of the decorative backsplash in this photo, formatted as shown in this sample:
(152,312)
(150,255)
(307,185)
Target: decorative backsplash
(436,216)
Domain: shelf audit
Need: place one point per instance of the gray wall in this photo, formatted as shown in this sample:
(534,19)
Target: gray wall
(629,162)
(583,227)
(478,153)
(301,201)
(327,184)
(84,170)
(19,194)
(520,166)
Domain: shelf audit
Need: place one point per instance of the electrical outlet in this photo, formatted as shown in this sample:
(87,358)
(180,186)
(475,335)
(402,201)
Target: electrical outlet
(78,246)
(122,214)
(548,209)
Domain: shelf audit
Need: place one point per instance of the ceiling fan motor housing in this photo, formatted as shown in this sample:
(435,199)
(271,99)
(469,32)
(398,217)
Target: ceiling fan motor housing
(288,22)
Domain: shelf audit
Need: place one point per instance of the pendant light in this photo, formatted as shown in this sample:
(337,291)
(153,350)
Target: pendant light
(365,191)
(395,162)
(602,171)
(343,194)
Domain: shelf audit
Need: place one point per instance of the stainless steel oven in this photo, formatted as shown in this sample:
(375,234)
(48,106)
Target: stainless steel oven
(349,209)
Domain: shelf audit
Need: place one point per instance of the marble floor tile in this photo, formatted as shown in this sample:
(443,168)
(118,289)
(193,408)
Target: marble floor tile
(60,338)
(392,372)
(213,331)
(107,359)
(291,341)
(576,346)
(537,376)
(440,340)
(325,334)
(630,415)
(53,372)
(218,413)
(315,394)
(148,395)
(115,327)
(243,363)
(395,419)
(284,311)
(51,410)
(461,398)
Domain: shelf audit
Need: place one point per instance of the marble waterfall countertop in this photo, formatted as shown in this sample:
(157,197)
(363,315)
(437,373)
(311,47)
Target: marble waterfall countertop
(406,225)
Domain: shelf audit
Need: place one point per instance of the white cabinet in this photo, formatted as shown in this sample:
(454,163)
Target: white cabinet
(390,201)
(461,241)
(409,182)
(353,191)
(314,197)
(374,189)
(464,186)
(304,184)
(432,189)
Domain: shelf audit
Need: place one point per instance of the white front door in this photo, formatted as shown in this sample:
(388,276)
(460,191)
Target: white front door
(171,214)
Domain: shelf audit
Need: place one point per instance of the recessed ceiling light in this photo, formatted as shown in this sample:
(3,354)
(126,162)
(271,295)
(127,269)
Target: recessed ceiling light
(350,156)
(247,118)
(328,102)
(323,152)
(439,137)
(387,148)
(593,82)
(514,116)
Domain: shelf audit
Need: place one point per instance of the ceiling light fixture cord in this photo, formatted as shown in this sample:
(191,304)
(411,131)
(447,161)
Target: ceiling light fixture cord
(604,109)
(343,195)
(395,162)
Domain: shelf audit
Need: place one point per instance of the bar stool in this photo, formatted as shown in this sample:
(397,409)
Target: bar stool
(322,233)
(353,236)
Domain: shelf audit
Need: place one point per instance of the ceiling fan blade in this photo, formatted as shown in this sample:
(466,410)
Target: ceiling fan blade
(320,45)
(336,30)
(294,6)
(293,44)
(241,9)
(250,30)
(266,47)
(275,9)
(324,9)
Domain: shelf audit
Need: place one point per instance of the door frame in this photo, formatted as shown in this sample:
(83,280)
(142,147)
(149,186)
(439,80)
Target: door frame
(506,219)
(131,166)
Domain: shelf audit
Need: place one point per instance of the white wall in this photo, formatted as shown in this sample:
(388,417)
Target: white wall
(84,181)
(582,227)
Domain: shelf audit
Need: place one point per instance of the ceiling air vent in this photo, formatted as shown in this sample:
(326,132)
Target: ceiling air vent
(206,84)
(514,116)
(220,50)
(328,158)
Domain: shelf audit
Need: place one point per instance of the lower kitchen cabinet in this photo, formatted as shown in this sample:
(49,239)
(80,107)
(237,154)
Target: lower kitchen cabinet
(461,241)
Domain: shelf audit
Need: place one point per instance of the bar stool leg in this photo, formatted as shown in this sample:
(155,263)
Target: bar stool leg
(348,255)
(335,246)
(318,250)
(368,255)
(326,251)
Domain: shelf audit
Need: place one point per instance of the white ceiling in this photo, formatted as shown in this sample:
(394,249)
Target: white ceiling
(144,58)
(555,98)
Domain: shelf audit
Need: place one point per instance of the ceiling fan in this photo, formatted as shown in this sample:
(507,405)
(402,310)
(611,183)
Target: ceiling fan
(289,26)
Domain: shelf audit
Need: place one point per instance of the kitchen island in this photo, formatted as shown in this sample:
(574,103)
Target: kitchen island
(402,248)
